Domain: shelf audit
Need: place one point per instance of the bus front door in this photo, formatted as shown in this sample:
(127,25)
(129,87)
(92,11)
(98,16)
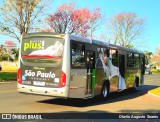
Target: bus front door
(90,61)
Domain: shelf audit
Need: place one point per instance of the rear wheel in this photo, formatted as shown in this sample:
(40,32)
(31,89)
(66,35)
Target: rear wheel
(136,82)
(105,90)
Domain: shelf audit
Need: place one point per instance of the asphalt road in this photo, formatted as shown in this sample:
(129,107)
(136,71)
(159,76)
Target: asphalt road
(121,102)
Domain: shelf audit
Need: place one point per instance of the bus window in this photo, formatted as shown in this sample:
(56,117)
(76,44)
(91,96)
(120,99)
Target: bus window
(136,60)
(114,56)
(130,62)
(99,63)
(113,53)
(106,52)
(78,55)
(90,56)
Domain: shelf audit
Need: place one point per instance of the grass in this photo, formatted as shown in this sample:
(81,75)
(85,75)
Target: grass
(7,76)
(155,91)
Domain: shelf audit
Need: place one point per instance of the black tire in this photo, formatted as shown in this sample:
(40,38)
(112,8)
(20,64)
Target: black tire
(105,90)
(137,82)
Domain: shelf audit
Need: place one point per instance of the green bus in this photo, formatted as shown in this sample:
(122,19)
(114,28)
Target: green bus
(71,66)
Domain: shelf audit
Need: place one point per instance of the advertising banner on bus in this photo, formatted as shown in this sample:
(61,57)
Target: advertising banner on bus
(41,61)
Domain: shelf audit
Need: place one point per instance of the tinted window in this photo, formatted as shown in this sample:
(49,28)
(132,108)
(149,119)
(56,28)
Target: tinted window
(42,51)
(99,63)
(42,46)
(78,55)
(113,53)
(136,60)
(130,61)
(114,56)
(90,56)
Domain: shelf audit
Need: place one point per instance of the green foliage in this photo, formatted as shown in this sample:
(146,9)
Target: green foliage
(5,57)
(148,56)
(8,76)
(13,56)
(15,52)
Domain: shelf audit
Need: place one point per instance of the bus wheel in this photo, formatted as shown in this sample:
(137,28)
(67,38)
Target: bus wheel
(105,89)
(137,82)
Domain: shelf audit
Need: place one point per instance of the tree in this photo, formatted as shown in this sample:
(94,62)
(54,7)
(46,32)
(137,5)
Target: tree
(1,52)
(9,45)
(148,56)
(102,36)
(19,16)
(78,21)
(156,58)
(126,28)
(14,54)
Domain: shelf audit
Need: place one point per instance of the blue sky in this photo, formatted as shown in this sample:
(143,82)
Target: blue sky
(148,9)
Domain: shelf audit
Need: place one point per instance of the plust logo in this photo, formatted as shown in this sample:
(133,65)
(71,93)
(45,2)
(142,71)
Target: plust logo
(33,45)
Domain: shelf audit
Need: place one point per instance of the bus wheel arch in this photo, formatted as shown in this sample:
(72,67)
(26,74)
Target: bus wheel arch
(105,89)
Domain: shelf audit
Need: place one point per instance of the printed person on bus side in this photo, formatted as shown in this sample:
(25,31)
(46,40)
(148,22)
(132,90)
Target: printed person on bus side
(106,63)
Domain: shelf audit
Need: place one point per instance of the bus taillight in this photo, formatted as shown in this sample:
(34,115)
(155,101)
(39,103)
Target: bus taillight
(62,82)
(19,79)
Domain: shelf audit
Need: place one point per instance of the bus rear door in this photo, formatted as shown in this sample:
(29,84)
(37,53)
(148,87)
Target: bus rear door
(90,62)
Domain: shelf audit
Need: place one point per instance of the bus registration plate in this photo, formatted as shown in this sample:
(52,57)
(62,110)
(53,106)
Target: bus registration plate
(38,83)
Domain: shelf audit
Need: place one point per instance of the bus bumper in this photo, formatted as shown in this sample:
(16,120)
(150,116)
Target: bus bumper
(57,92)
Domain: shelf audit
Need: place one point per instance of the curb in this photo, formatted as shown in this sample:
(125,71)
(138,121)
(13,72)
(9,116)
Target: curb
(152,92)
(3,82)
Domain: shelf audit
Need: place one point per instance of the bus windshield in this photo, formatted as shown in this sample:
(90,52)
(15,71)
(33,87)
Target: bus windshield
(52,47)
(47,51)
